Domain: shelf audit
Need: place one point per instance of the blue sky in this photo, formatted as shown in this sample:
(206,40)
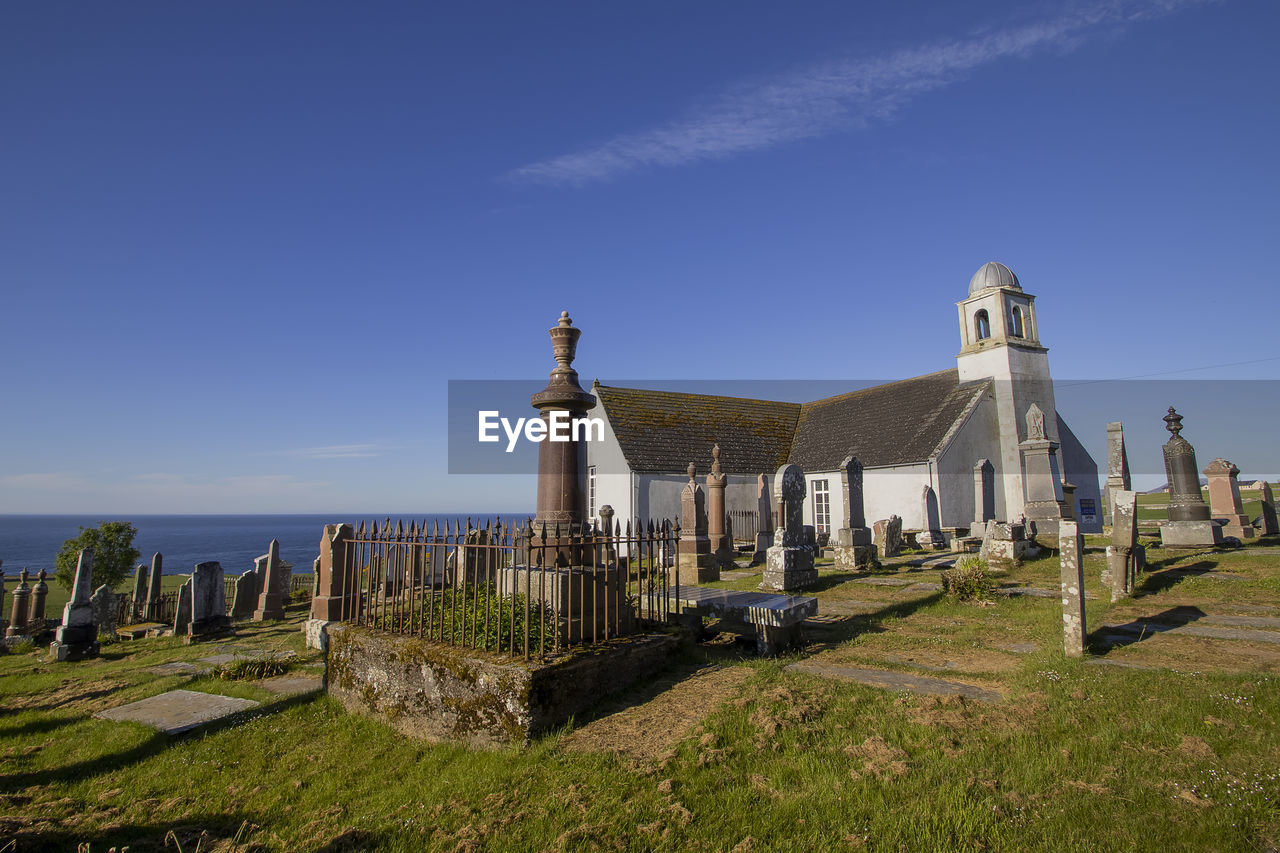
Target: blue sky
(244,246)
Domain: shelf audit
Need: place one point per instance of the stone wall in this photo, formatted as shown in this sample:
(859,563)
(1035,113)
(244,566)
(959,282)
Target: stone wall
(437,692)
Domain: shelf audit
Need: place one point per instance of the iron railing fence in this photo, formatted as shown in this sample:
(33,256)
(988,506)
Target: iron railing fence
(165,610)
(297,583)
(516,588)
(744,525)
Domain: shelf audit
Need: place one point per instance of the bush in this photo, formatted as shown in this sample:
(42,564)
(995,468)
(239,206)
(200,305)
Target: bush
(970,580)
(113,554)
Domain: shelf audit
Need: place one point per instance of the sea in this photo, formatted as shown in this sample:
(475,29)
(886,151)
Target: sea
(33,541)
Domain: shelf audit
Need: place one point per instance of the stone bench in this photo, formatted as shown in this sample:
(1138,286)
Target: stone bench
(775,618)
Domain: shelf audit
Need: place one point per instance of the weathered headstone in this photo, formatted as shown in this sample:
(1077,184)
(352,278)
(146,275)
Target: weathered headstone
(208,601)
(315,577)
(1071,550)
(887,534)
(1117,465)
(284,577)
(854,548)
(1224,499)
(1122,558)
(1269,524)
(155,592)
(38,596)
(77,636)
(139,604)
(789,562)
(20,614)
(270,605)
(1005,544)
(721,543)
(764,519)
(104,604)
(245,595)
(696,563)
(984,496)
(1045,505)
(932,518)
(182,612)
(1190,524)
(608,534)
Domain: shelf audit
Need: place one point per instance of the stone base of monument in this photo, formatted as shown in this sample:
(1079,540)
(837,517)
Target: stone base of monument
(855,557)
(585,599)
(75,643)
(444,693)
(316,633)
(214,627)
(764,541)
(789,567)
(697,568)
(1190,534)
(1238,526)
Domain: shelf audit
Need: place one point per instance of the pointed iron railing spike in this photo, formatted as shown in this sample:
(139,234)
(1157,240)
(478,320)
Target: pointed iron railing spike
(435,528)
(373,530)
(400,529)
(468,524)
(628,528)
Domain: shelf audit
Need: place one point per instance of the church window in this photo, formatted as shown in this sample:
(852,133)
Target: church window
(981,325)
(1018,331)
(821,507)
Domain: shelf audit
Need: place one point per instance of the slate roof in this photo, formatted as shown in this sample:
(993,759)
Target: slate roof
(662,431)
(893,424)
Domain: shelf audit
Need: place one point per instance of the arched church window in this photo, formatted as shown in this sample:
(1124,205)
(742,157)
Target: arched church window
(1017,322)
(981,325)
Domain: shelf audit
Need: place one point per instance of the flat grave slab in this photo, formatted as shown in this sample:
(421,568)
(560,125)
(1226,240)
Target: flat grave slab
(924,587)
(291,685)
(737,575)
(222,659)
(178,667)
(1038,592)
(882,581)
(890,680)
(850,607)
(178,710)
(1141,627)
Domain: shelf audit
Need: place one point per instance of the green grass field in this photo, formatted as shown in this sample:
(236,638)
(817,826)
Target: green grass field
(1156,507)
(1175,748)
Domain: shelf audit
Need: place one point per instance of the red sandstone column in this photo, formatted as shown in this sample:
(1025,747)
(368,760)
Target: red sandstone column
(331,583)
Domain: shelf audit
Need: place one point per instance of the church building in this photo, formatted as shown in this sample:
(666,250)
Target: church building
(941,450)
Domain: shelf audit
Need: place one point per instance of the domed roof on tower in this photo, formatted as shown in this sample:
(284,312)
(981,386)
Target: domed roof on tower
(993,274)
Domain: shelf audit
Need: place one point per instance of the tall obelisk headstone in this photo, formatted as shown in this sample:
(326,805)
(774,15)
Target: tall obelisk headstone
(1045,505)
(854,548)
(1270,527)
(139,604)
(717,530)
(333,600)
(77,636)
(696,563)
(20,615)
(1189,524)
(1224,499)
(155,593)
(789,562)
(38,596)
(1117,466)
(764,519)
(562,494)
(1122,554)
(984,497)
(1071,550)
(270,605)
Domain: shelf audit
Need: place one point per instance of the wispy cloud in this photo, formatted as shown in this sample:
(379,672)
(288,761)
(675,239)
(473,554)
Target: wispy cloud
(820,98)
(339,451)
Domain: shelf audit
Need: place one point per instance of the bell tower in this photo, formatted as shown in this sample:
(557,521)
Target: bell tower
(1000,340)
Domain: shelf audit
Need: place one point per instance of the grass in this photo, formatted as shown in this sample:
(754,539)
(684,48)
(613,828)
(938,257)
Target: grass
(1078,755)
(1155,507)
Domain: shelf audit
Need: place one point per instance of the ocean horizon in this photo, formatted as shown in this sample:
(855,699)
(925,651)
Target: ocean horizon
(33,541)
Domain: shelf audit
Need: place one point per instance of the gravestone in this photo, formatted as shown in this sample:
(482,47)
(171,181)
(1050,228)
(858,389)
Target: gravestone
(887,535)
(1190,524)
(984,496)
(315,577)
(1117,465)
(764,519)
(208,601)
(1005,544)
(38,596)
(20,615)
(155,591)
(77,636)
(721,543)
(103,601)
(608,535)
(245,597)
(1045,505)
(696,563)
(789,562)
(1071,549)
(270,605)
(139,604)
(1224,499)
(1269,525)
(182,612)
(932,518)
(285,580)
(1121,574)
(854,548)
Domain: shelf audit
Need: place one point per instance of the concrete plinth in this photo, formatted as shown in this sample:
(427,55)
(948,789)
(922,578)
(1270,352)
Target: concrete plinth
(789,568)
(1190,534)
(589,603)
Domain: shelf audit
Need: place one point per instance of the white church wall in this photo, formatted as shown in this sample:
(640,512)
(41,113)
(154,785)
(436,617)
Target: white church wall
(895,491)
(978,438)
(612,475)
